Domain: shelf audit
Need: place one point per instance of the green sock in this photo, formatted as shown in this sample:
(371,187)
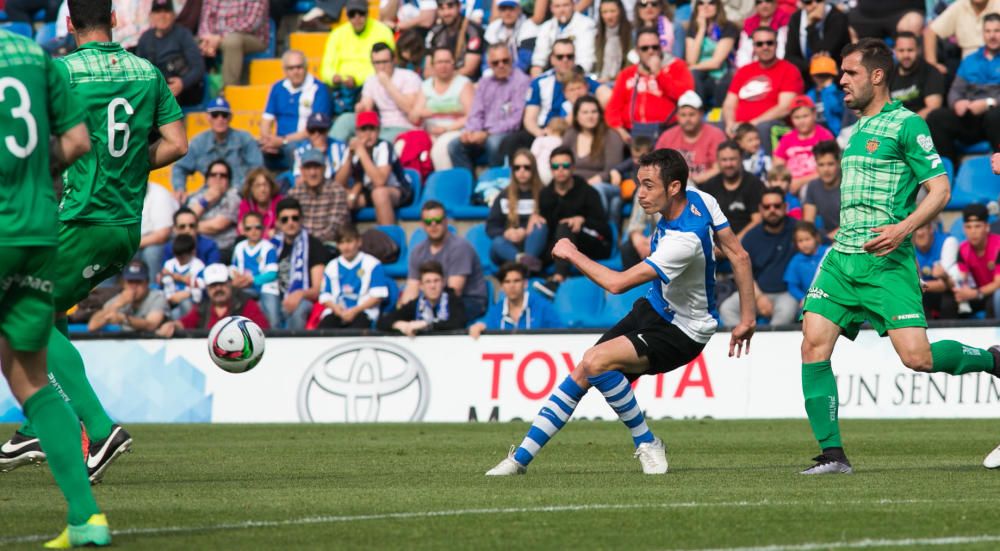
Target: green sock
(59,436)
(66,373)
(958,359)
(819,387)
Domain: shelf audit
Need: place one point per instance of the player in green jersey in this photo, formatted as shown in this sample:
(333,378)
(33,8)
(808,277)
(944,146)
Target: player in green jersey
(125,100)
(870,274)
(36,102)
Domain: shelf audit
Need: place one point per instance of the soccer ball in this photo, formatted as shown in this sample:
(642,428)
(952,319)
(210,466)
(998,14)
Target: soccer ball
(236,344)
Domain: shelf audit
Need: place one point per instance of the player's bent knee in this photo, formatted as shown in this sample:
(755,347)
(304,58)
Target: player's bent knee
(594,363)
(923,363)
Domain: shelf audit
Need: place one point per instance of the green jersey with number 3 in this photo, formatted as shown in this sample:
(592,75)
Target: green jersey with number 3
(125,98)
(35,101)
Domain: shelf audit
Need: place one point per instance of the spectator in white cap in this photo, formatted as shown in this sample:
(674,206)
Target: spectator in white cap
(515,30)
(221,141)
(222,302)
(695,140)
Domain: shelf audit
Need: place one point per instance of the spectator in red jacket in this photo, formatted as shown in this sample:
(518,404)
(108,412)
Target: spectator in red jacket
(645,95)
(761,93)
(220,302)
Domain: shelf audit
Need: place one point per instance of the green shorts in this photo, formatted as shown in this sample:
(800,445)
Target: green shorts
(26,296)
(851,288)
(89,254)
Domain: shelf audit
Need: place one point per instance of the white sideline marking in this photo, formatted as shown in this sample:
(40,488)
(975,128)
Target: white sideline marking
(334,519)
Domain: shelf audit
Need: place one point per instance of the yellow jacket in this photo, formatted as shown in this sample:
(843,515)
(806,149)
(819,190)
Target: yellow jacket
(349,54)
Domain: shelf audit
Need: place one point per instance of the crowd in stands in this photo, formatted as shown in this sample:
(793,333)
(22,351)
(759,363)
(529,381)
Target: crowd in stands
(546,104)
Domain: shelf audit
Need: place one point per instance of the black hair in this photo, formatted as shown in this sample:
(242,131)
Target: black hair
(874,55)
(432,205)
(509,267)
(827,147)
(87,15)
(229,169)
(669,163)
(183,210)
(381,47)
(907,34)
(809,227)
(184,244)
(728,144)
(647,30)
(642,142)
(431,267)
(288,203)
(764,29)
(773,191)
(991,18)
(563,150)
(347,232)
(254,214)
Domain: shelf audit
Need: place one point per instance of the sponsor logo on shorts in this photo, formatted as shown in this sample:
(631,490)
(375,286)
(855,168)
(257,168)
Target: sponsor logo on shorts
(903,317)
(970,351)
(817,293)
(91,271)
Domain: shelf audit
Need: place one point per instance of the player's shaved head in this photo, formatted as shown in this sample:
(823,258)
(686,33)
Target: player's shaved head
(669,163)
(90,15)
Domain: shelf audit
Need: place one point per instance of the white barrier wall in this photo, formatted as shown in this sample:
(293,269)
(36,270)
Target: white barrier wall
(452,378)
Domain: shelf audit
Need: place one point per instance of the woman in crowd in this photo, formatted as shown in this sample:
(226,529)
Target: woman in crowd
(656,14)
(710,42)
(260,195)
(443,105)
(614,40)
(518,231)
(598,149)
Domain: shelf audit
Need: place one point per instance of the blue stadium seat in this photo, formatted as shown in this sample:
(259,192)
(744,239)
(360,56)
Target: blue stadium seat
(367,214)
(613,262)
(580,303)
(453,188)
(975,183)
(978,148)
(3,16)
(949,169)
(399,267)
(492,181)
(481,242)
(419,236)
(23,29)
(46,33)
(390,303)
(617,306)
(303,6)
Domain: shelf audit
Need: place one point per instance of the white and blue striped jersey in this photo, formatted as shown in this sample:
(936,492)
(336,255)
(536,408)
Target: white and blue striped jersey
(351,282)
(257,260)
(192,268)
(682,255)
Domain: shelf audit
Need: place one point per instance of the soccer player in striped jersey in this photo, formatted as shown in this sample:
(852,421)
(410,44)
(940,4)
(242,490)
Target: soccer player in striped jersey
(124,100)
(35,101)
(667,328)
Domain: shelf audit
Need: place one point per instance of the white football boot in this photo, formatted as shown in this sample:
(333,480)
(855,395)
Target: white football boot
(992,461)
(652,456)
(509,466)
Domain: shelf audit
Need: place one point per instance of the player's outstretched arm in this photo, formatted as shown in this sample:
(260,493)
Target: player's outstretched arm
(172,145)
(68,147)
(888,238)
(739,340)
(611,280)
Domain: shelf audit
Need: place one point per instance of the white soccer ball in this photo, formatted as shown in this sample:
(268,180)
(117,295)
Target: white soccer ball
(236,344)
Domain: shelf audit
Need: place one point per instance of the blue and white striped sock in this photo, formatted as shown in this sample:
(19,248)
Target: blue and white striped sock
(616,390)
(552,417)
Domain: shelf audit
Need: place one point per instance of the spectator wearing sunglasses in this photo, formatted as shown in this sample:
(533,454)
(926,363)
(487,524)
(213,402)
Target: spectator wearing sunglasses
(186,222)
(765,14)
(237,147)
(568,24)
(817,29)
(290,104)
(347,57)
(515,31)
(645,96)
(497,108)
(518,230)
(468,48)
(301,261)
(217,206)
(463,272)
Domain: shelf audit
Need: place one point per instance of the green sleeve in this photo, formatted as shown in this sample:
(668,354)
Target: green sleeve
(167,110)
(64,110)
(919,151)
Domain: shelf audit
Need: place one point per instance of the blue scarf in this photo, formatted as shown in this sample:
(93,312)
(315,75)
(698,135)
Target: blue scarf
(426,312)
(299,277)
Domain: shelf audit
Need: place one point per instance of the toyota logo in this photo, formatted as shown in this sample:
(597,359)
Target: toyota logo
(364,382)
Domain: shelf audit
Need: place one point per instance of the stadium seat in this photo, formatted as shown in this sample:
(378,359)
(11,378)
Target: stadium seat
(196,123)
(613,262)
(367,214)
(617,307)
(46,33)
(265,72)
(390,304)
(247,98)
(579,302)
(399,267)
(312,44)
(975,183)
(476,235)
(248,121)
(23,29)
(419,236)
(453,188)
(949,169)
(303,6)
(978,148)
(492,182)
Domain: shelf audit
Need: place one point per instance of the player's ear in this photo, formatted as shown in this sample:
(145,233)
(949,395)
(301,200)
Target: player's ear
(878,76)
(114,19)
(69,25)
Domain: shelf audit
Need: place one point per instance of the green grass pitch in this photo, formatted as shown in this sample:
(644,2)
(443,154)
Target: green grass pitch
(732,484)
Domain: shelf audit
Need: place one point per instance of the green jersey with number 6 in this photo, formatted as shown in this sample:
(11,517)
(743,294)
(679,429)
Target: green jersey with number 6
(35,101)
(125,99)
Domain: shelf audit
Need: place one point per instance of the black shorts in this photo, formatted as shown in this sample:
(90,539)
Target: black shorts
(663,343)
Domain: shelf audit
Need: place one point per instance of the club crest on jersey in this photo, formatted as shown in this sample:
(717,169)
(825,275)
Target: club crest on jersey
(872,145)
(925,142)
(695,211)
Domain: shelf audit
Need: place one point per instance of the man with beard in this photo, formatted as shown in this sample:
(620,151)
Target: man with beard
(915,83)
(463,38)
(869,274)
(694,139)
(222,302)
(737,191)
(771,247)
